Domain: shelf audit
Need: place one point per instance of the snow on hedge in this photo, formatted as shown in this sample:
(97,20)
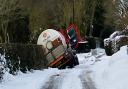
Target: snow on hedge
(2,66)
(116,40)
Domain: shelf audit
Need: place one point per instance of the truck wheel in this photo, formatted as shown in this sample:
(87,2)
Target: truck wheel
(70,64)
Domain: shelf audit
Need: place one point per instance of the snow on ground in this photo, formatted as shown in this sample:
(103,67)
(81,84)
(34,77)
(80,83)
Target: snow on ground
(69,78)
(107,72)
(72,80)
(38,79)
(27,81)
(112,71)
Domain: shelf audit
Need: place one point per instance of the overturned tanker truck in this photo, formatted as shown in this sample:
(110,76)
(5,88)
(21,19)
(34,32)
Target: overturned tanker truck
(57,52)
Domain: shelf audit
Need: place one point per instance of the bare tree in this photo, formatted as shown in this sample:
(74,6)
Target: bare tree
(116,13)
(7,8)
(122,12)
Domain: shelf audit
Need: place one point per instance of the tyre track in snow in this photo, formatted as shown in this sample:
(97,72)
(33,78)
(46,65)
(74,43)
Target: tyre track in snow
(87,82)
(76,78)
(53,82)
(84,82)
(71,80)
(66,79)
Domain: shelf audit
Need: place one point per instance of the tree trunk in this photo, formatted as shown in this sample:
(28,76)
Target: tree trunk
(92,17)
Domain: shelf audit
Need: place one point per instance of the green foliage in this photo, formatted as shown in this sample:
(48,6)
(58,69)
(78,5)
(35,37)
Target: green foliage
(6,15)
(23,57)
(98,20)
(18,28)
(29,18)
(13,23)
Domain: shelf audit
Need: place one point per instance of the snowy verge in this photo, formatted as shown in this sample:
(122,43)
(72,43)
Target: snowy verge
(112,71)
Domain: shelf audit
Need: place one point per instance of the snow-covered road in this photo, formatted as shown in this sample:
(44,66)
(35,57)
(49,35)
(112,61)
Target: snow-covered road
(75,78)
(69,79)
(52,78)
(94,72)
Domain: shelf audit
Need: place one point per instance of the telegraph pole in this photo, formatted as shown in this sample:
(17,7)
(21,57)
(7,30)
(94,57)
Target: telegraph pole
(73,10)
(92,17)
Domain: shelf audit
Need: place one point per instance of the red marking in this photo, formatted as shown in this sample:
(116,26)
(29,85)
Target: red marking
(45,34)
(56,61)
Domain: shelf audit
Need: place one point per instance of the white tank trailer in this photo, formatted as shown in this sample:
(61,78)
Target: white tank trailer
(58,54)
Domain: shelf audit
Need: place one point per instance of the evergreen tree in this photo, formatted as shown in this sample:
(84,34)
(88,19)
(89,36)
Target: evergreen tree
(98,20)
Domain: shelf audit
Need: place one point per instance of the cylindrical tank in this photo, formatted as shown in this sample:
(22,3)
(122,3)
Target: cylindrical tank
(48,36)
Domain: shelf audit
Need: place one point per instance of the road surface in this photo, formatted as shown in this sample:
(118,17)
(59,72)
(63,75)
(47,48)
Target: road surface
(75,78)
